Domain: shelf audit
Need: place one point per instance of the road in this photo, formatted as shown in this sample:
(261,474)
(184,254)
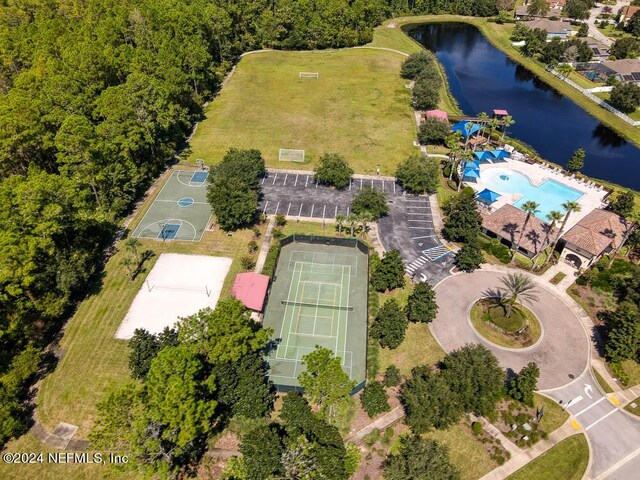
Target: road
(613,434)
(593,30)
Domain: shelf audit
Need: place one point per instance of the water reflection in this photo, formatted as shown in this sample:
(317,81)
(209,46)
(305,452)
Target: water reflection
(482,78)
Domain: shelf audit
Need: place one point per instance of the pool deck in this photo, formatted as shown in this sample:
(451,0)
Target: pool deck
(592,198)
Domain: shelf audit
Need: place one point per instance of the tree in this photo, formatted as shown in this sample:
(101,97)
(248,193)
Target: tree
(583,30)
(530,208)
(463,219)
(389,325)
(421,304)
(428,402)
(415,64)
(433,131)
(568,208)
(554,217)
(626,47)
(565,70)
(392,376)
(234,204)
(624,203)
(325,383)
(576,9)
(576,162)
(470,256)
(333,170)
(507,121)
(623,339)
(538,8)
(517,286)
(133,245)
(625,97)
(633,25)
(426,88)
(225,334)
(262,451)
(475,378)
(418,174)
(145,347)
(420,459)
(389,273)
(374,399)
(245,165)
(340,221)
(524,384)
(370,201)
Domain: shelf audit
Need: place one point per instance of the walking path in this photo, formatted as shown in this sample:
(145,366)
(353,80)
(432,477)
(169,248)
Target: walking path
(381,423)
(264,248)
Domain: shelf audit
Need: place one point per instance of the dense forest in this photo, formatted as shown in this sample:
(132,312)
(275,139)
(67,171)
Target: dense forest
(96,98)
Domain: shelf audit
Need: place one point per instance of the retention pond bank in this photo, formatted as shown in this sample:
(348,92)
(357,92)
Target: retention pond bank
(483,78)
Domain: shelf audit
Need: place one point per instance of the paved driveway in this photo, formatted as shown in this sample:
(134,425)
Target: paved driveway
(562,353)
(408,227)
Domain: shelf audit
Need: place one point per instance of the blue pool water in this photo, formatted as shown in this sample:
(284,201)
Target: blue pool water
(549,195)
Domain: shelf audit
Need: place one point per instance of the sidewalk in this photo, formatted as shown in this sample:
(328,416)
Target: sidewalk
(381,423)
(519,460)
(264,248)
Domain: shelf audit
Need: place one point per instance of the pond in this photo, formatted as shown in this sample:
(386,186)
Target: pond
(482,78)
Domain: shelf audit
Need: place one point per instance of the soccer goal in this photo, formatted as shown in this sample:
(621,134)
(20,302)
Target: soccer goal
(313,75)
(290,155)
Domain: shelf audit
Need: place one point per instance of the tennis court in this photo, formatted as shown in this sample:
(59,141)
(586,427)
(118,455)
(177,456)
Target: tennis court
(318,298)
(180,211)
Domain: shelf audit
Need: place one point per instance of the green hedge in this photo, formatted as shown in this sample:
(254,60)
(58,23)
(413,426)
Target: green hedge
(269,267)
(493,247)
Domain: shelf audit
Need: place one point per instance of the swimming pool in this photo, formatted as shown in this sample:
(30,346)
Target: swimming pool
(550,194)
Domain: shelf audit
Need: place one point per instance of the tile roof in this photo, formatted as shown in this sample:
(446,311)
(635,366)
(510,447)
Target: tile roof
(597,230)
(550,26)
(507,222)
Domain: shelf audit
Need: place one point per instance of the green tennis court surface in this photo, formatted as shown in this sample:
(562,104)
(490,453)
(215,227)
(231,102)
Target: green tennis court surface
(318,298)
(180,211)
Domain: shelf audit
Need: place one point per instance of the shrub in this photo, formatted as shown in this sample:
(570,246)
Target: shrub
(374,399)
(370,201)
(625,97)
(252,246)
(414,64)
(433,131)
(281,221)
(476,428)
(371,438)
(247,262)
(272,257)
(392,376)
(277,233)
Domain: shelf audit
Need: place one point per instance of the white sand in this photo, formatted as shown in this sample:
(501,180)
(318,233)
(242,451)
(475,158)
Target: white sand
(177,286)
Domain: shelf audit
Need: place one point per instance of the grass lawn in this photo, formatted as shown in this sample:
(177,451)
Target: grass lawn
(566,461)
(606,95)
(554,417)
(359,107)
(466,453)
(632,369)
(635,410)
(483,315)
(93,361)
(602,382)
(557,278)
(583,81)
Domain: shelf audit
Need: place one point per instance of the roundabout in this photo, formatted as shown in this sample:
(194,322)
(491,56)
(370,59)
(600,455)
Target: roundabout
(561,351)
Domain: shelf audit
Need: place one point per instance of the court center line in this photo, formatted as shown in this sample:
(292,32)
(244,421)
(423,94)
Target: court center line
(315,316)
(346,312)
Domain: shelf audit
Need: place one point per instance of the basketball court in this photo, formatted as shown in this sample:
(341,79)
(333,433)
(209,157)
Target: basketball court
(180,211)
(318,298)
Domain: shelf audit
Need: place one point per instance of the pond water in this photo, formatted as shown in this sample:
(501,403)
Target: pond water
(482,78)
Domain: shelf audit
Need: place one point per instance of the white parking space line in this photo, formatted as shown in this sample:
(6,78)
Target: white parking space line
(415,201)
(274,179)
(276,212)
(265,206)
(349,184)
(306,182)
(423,221)
(300,211)
(288,208)
(336,212)
(295,184)
(590,406)
(263,179)
(423,236)
(421,228)
(348,211)
(419,207)
(394,187)
(323,211)
(601,419)
(418,213)
(285,179)
(313,205)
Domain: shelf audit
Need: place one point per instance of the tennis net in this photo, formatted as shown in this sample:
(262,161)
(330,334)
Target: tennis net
(348,308)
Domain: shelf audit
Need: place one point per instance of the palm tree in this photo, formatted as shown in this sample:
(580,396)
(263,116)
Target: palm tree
(507,121)
(530,208)
(565,70)
(482,121)
(554,217)
(494,123)
(340,219)
(352,220)
(467,127)
(131,245)
(466,157)
(517,286)
(128,262)
(453,144)
(568,208)
(365,218)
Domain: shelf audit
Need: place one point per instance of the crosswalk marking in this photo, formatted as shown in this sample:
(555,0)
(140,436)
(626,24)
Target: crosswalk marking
(436,252)
(601,419)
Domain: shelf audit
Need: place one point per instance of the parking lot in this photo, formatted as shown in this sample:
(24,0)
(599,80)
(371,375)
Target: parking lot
(408,227)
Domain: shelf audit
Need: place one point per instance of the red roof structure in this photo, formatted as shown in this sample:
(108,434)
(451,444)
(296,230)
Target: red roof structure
(251,289)
(439,114)
(500,113)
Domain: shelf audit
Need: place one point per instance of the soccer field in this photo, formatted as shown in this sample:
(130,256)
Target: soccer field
(358,107)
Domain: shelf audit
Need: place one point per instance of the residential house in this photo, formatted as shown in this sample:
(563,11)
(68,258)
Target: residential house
(627,69)
(554,28)
(625,13)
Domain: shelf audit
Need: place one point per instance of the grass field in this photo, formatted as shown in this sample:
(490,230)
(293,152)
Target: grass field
(554,416)
(482,314)
(359,107)
(566,461)
(635,410)
(93,360)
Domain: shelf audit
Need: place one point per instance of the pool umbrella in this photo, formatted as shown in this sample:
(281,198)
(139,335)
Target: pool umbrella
(487,196)
(464,129)
(484,156)
(471,175)
(473,164)
(500,155)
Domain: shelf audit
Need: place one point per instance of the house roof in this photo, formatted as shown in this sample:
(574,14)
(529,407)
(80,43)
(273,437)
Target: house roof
(507,222)
(596,231)
(561,3)
(627,66)
(251,289)
(550,26)
(628,11)
(523,11)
